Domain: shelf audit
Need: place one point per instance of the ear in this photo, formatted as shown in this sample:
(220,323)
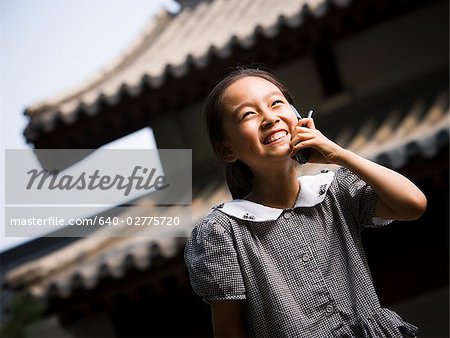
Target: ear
(226,153)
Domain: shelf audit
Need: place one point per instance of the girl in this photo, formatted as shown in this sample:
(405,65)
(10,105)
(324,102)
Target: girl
(284,257)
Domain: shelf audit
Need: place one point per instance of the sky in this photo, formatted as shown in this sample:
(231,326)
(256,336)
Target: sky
(49,46)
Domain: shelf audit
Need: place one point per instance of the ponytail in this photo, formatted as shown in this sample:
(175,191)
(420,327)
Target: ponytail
(239,179)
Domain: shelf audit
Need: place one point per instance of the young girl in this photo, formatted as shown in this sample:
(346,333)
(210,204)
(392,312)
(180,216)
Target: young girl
(284,257)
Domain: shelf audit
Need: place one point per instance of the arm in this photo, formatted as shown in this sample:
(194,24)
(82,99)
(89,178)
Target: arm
(398,198)
(226,317)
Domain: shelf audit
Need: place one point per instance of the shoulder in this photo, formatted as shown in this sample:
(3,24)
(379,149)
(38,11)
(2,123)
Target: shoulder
(210,238)
(344,173)
(348,182)
(215,222)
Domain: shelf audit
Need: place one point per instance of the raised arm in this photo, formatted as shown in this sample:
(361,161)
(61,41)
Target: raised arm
(398,199)
(227,319)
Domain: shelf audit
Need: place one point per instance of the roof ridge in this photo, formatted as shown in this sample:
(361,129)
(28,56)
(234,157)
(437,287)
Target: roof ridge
(151,30)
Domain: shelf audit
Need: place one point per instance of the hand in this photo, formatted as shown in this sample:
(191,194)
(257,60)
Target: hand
(398,198)
(305,135)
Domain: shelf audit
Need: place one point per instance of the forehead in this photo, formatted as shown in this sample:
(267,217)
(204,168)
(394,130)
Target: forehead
(248,89)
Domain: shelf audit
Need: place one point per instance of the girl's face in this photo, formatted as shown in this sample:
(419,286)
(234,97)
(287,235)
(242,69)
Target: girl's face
(258,121)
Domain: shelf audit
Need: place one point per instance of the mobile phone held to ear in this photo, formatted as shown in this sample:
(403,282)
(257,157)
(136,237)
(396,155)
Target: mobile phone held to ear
(303,155)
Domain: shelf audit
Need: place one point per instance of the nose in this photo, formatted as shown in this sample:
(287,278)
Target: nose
(269,119)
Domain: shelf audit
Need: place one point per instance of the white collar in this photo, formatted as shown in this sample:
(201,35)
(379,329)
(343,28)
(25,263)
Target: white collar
(312,192)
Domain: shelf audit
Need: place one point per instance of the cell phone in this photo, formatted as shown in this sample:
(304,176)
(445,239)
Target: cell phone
(303,155)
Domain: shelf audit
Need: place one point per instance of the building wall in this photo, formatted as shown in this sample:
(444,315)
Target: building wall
(302,80)
(403,51)
(186,129)
(395,52)
(388,55)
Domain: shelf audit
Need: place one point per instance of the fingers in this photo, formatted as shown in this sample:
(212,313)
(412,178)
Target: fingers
(301,134)
(302,140)
(303,126)
(306,122)
(305,138)
(304,134)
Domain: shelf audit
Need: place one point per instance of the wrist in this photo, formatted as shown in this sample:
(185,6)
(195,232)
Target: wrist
(343,157)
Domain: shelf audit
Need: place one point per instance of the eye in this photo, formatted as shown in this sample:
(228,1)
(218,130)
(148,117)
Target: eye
(246,114)
(276,102)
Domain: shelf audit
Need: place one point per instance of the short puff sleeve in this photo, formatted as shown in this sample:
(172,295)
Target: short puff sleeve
(358,200)
(212,263)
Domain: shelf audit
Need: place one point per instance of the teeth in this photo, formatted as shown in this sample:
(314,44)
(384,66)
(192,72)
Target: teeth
(275,137)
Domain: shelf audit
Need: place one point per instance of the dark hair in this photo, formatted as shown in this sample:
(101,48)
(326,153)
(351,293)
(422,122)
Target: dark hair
(238,175)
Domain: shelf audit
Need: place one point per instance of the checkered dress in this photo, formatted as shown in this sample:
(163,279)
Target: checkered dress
(299,272)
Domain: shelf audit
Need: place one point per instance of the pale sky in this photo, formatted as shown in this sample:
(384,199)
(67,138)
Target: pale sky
(49,46)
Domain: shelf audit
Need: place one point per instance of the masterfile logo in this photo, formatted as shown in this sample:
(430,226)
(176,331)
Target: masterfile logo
(134,192)
(104,176)
(55,180)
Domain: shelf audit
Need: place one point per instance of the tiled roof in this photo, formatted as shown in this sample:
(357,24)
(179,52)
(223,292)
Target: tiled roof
(422,128)
(171,44)
(107,253)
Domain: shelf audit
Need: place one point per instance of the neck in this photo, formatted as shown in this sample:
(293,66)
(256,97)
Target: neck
(276,188)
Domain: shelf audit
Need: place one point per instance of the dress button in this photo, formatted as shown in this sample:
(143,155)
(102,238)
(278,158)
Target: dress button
(306,257)
(287,215)
(330,308)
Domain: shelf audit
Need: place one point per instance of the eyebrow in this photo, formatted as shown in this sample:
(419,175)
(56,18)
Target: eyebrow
(268,95)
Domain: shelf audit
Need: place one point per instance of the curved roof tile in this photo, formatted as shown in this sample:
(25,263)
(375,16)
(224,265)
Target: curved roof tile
(420,129)
(170,43)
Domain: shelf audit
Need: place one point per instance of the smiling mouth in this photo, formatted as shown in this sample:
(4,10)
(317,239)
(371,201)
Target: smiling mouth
(275,137)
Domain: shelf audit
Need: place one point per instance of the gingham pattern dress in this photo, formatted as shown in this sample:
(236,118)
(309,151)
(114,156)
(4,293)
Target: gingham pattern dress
(299,272)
